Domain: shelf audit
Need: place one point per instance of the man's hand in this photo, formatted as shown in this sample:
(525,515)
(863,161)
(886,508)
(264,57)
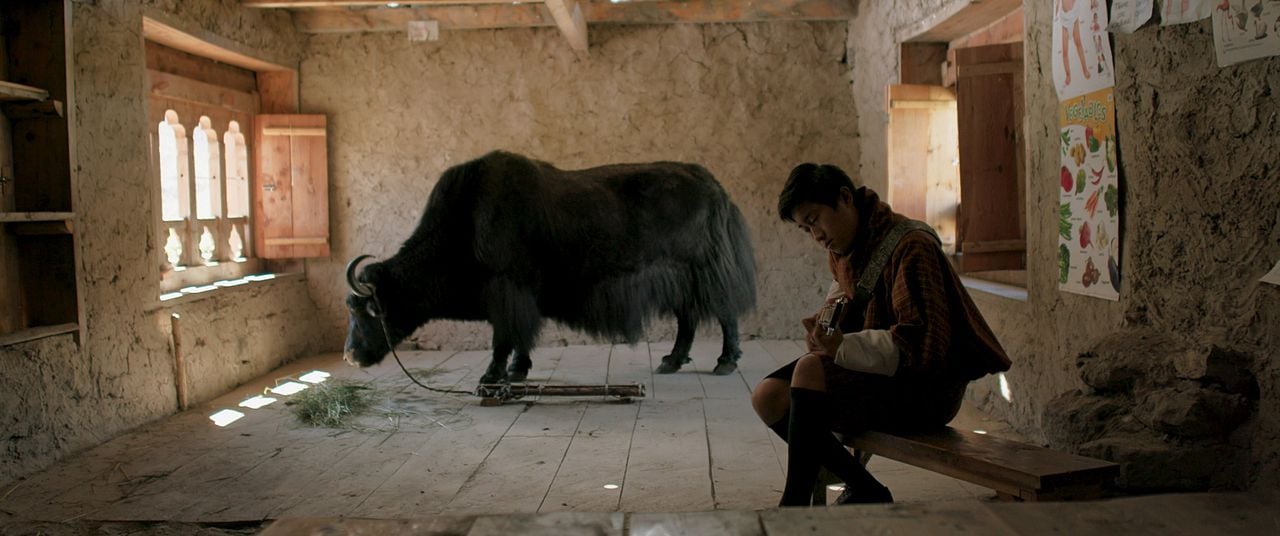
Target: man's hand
(818,341)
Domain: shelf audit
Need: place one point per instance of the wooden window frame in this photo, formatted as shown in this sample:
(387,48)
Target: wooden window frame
(274,86)
(991,228)
(209,105)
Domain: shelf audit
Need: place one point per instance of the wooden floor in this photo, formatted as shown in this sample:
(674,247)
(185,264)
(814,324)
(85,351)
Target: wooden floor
(693,444)
(690,458)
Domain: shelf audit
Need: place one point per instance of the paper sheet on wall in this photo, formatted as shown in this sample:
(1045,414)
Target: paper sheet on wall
(1088,210)
(1129,15)
(1184,11)
(1244,30)
(1273,276)
(1081,48)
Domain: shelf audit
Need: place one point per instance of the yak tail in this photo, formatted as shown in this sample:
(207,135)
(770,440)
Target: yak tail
(727,284)
(740,294)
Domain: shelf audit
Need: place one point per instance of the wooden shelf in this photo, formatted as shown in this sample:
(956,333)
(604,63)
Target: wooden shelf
(10,91)
(38,223)
(33,110)
(31,334)
(9,217)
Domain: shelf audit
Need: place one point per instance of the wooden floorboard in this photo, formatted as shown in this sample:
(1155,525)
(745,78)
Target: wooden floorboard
(597,456)
(693,444)
(668,470)
(680,385)
(631,365)
(742,456)
(783,352)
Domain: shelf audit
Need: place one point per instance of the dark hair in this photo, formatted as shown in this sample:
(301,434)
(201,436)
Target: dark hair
(812,183)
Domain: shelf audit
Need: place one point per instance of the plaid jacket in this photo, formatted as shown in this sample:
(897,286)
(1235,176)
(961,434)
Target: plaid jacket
(934,323)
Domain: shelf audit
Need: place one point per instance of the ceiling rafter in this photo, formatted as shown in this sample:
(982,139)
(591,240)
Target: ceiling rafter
(524,15)
(298,4)
(568,17)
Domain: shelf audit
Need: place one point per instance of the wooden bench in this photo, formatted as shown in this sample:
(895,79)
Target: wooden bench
(1016,471)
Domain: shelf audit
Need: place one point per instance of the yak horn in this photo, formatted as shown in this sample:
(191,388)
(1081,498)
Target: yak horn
(359,289)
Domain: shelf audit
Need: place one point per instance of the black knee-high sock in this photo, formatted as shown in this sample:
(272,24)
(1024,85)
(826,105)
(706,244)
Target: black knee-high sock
(808,423)
(825,447)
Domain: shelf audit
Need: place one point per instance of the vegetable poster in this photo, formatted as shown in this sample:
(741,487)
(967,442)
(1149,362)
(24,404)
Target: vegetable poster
(1089,194)
(1089,178)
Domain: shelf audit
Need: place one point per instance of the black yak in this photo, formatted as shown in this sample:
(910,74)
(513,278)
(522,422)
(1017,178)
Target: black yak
(513,241)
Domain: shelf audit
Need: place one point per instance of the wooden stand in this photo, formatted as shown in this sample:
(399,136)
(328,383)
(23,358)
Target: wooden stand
(496,394)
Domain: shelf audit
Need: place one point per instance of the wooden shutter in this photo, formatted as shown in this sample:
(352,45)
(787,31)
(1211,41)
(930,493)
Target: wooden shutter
(992,219)
(924,183)
(291,187)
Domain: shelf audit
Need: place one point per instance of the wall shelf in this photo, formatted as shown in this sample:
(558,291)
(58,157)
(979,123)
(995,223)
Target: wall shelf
(10,91)
(39,287)
(9,217)
(41,332)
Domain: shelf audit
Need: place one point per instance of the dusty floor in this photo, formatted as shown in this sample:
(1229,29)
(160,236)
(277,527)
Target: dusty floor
(690,455)
(692,444)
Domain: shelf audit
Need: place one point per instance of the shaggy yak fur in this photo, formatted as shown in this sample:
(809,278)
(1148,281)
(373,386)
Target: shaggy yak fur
(513,241)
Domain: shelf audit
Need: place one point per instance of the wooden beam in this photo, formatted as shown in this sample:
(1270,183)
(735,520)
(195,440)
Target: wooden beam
(373,3)
(204,44)
(711,11)
(480,17)
(957,20)
(568,17)
(531,15)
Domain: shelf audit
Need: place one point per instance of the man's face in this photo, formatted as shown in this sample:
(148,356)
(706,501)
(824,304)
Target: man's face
(831,228)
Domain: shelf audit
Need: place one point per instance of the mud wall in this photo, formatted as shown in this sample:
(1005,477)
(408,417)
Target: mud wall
(1200,206)
(1200,203)
(748,101)
(59,395)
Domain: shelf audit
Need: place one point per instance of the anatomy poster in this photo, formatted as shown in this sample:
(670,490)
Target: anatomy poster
(1244,30)
(1273,276)
(1129,15)
(1089,195)
(1184,11)
(1081,48)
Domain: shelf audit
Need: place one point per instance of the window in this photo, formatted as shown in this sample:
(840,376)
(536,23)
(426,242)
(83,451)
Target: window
(241,179)
(200,156)
(956,157)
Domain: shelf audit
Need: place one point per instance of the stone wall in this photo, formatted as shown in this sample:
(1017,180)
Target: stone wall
(1200,202)
(58,395)
(748,101)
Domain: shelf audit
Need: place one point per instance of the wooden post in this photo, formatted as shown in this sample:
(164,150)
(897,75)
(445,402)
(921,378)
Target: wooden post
(180,367)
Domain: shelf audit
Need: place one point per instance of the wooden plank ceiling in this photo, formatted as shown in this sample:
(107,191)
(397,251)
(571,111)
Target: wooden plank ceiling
(572,17)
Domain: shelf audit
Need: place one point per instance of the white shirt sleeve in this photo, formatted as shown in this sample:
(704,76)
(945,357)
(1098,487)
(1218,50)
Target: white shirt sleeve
(870,350)
(834,292)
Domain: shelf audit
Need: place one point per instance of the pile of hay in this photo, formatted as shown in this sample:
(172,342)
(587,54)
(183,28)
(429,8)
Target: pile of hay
(330,404)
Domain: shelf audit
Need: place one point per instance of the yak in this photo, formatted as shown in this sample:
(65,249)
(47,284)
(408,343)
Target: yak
(515,241)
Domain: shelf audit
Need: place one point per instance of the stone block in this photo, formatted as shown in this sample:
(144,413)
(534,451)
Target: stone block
(1118,361)
(1152,463)
(1074,417)
(1188,410)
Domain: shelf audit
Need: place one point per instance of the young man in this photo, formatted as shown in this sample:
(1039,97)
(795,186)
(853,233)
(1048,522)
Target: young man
(900,358)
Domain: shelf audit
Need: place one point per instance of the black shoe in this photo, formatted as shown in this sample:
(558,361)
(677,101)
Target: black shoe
(864,496)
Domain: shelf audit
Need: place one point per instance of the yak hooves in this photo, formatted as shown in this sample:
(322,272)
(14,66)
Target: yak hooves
(516,375)
(725,368)
(671,363)
(494,375)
